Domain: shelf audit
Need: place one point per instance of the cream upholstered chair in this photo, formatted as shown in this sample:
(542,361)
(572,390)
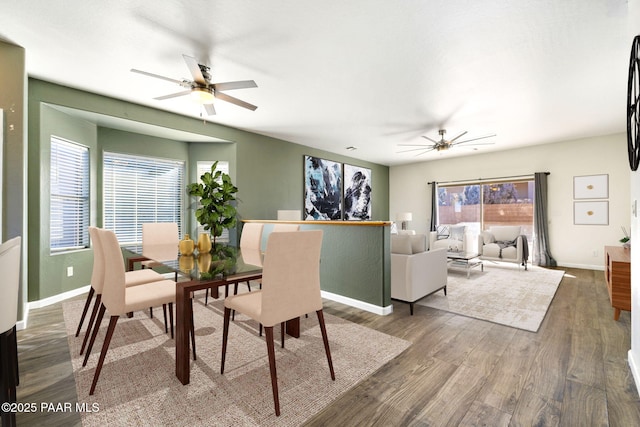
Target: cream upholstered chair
(158,234)
(290,288)
(251,239)
(278,228)
(119,299)
(132,278)
(9,378)
(504,243)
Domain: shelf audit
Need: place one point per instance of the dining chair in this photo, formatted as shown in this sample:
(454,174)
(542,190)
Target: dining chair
(290,288)
(278,228)
(118,299)
(9,376)
(158,234)
(132,278)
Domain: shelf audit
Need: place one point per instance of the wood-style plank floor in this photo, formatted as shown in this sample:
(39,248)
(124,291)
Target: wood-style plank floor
(458,372)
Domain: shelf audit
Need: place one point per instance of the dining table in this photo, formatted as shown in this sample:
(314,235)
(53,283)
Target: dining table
(224,265)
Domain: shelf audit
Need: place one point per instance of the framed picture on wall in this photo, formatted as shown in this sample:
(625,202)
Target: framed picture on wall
(591,213)
(357,193)
(591,187)
(322,189)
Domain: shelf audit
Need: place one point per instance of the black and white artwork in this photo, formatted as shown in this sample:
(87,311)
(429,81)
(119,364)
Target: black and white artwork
(357,193)
(322,189)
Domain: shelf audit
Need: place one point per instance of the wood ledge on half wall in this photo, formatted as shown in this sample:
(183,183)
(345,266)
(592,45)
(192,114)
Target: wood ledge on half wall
(350,223)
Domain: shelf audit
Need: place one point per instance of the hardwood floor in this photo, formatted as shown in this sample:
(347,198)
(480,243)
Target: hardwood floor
(459,371)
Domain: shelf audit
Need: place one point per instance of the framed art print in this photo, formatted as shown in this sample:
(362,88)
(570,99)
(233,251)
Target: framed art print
(322,189)
(357,193)
(591,213)
(591,187)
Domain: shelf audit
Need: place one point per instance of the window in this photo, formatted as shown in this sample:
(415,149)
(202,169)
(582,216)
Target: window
(138,190)
(69,195)
(201,168)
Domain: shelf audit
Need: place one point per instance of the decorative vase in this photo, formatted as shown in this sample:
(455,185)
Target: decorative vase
(186,245)
(186,262)
(204,243)
(204,262)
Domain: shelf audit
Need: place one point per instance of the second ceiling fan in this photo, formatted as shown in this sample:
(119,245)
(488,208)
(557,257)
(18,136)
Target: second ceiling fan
(201,87)
(443,144)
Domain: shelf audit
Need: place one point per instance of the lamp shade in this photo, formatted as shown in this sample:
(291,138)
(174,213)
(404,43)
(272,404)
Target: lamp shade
(202,95)
(404,216)
(289,215)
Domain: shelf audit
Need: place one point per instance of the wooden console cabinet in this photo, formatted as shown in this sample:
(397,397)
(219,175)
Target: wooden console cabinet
(617,271)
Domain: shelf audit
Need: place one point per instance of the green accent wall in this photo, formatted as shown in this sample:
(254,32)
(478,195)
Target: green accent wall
(267,171)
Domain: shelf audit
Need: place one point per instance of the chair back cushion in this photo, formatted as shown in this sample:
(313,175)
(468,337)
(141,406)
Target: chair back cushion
(505,233)
(159,233)
(113,291)
(285,227)
(291,276)
(97,276)
(10,267)
(251,237)
(407,244)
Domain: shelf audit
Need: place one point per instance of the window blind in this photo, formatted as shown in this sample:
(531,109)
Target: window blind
(139,190)
(69,195)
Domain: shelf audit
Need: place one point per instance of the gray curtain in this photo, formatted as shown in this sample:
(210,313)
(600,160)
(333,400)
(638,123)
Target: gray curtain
(434,206)
(541,254)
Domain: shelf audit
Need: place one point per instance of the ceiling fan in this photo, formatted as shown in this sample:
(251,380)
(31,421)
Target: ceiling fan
(443,144)
(202,89)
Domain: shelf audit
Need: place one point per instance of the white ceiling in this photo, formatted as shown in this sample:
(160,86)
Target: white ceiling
(364,73)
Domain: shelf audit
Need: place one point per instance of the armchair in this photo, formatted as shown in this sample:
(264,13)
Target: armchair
(455,238)
(416,272)
(504,243)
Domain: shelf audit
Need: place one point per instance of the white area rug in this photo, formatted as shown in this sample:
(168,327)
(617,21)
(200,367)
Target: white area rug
(138,385)
(501,294)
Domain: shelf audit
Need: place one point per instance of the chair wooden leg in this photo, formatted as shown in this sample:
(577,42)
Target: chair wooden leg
(96,328)
(225,334)
(325,339)
(249,285)
(260,330)
(84,310)
(206,296)
(235,288)
(268,331)
(164,312)
(171,318)
(282,332)
(151,312)
(96,306)
(105,346)
(411,308)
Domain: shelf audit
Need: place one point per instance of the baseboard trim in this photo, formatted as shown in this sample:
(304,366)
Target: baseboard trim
(375,309)
(57,298)
(583,266)
(634,369)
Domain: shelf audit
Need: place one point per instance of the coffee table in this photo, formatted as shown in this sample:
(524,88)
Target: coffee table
(465,260)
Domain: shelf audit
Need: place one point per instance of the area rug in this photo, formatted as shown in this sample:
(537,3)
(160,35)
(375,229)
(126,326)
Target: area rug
(138,385)
(501,294)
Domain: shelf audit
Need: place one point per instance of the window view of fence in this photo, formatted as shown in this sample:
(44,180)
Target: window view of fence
(480,206)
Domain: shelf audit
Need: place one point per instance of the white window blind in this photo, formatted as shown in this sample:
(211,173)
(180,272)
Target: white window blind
(69,195)
(139,190)
(201,168)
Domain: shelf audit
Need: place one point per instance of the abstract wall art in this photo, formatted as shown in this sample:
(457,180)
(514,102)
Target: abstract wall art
(357,193)
(322,189)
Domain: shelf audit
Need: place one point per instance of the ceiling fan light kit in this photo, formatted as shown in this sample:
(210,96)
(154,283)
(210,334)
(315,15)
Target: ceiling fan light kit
(201,89)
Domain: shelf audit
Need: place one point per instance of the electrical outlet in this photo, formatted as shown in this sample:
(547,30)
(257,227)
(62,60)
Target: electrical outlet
(595,253)
(69,271)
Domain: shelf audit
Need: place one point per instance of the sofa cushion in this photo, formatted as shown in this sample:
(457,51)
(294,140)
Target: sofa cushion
(443,232)
(401,244)
(418,243)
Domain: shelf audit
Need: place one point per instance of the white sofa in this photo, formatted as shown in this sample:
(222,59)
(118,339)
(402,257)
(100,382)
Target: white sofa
(503,243)
(415,271)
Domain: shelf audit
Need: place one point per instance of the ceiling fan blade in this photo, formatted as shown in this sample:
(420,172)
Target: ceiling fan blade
(426,137)
(475,139)
(157,76)
(194,69)
(424,147)
(425,152)
(453,140)
(173,95)
(413,145)
(209,109)
(235,101)
(241,84)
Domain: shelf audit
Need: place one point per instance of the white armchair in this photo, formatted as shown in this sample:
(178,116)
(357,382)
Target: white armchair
(455,238)
(504,243)
(416,272)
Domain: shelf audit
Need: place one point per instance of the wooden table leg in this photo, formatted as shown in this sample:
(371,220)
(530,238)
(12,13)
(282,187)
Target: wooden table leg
(616,314)
(293,327)
(183,320)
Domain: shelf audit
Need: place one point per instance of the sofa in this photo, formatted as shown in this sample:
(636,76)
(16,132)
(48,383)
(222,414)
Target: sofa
(453,238)
(504,243)
(415,271)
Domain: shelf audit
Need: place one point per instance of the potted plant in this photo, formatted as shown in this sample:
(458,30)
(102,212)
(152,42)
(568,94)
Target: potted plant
(215,193)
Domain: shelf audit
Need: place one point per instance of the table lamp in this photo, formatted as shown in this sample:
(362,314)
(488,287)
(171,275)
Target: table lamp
(404,218)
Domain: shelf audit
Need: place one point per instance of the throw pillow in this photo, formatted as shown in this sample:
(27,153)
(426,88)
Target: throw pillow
(487,237)
(418,243)
(457,232)
(401,244)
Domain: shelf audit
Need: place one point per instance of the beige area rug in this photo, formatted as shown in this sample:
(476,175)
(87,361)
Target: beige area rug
(138,385)
(501,294)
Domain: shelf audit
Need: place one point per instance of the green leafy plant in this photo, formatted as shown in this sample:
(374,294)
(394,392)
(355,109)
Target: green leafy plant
(215,193)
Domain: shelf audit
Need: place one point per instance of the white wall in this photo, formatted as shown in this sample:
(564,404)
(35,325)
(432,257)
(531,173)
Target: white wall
(571,245)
